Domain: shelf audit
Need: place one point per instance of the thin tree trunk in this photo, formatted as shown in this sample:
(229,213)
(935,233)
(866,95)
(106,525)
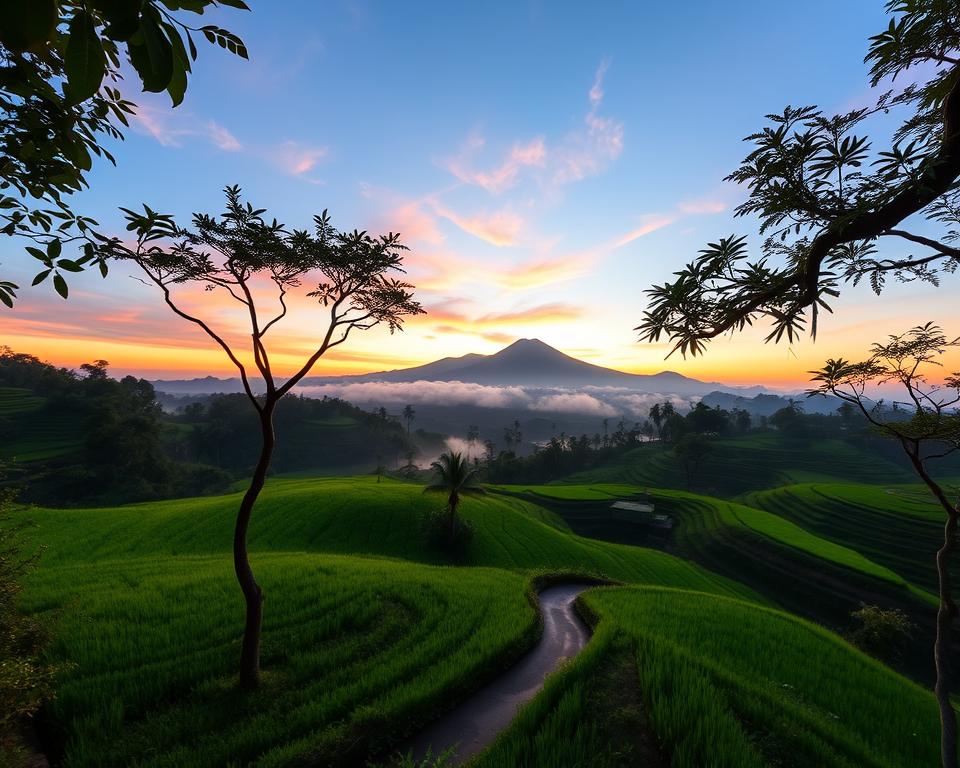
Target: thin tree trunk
(946,614)
(452,532)
(252,593)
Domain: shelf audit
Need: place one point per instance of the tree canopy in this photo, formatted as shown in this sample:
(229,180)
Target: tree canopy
(60,73)
(828,198)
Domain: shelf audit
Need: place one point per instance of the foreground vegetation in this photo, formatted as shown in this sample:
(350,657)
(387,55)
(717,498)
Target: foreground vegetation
(360,651)
(724,683)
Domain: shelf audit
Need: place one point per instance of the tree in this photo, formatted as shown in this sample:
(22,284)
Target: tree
(455,478)
(927,430)
(657,418)
(691,450)
(236,254)
(826,198)
(60,65)
(473,437)
(409,413)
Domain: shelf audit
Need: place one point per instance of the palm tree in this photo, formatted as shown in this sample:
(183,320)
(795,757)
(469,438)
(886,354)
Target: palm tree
(409,413)
(456,478)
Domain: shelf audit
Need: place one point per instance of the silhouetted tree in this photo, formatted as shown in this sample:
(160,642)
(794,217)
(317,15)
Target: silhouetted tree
(931,431)
(60,65)
(238,252)
(691,450)
(455,478)
(657,418)
(409,414)
(473,437)
(826,198)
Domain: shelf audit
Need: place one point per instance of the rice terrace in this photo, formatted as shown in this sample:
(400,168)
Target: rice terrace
(415,385)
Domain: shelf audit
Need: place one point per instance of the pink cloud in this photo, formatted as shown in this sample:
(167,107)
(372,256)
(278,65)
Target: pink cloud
(503,176)
(298,159)
(499,228)
(412,222)
(651,223)
(544,272)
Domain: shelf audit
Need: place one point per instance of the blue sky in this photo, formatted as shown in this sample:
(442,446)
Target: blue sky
(545,162)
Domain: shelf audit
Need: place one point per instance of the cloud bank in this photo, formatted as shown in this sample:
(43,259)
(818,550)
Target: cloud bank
(590,401)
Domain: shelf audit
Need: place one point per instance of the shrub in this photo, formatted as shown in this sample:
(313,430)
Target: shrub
(438,533)
(881,633)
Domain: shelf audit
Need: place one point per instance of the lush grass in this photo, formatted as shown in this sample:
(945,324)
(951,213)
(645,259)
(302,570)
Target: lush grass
(564,492)
(707,514)
(754,461)
(898,527)
(728,683)
(357,516)
(358,652)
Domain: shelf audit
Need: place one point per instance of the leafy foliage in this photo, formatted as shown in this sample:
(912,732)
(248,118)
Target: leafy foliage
(881,633)
(60,69)
(824,195)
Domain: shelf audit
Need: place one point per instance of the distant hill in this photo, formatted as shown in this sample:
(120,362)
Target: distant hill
(526,363)
(767,404)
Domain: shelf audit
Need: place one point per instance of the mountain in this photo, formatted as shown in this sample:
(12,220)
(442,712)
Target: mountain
(532,363)
(525,363)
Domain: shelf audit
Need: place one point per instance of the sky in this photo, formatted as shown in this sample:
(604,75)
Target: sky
(545,162)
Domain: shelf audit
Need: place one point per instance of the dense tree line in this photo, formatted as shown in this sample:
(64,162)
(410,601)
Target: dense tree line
(688,435)
(126,447)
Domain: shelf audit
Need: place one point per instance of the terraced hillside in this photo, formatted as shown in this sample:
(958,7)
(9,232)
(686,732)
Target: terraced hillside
(30,432)
(791,566)
(360,651)
(718,682)
(899,527)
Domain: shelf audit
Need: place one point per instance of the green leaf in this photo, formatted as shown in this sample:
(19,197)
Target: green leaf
(28,26)
(38,254)
(151,55)
(60,285)
(53,249)
(122,17)
(69,265)
(84,61)
(6,298)
(177,86)
(41,276)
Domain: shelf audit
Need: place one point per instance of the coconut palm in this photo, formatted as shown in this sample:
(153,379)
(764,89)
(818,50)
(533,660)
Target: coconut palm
(456,478)
(409,414)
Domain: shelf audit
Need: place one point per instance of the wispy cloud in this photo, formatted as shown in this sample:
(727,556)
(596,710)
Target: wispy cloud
(651,222)
(544,271)
(170,127)
(581,153)
(498,228)
(503,176)
(298,159)
(588,152)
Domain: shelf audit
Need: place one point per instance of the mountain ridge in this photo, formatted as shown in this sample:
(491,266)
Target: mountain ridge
(525,362)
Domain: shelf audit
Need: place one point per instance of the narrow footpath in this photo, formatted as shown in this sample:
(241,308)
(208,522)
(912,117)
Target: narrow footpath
(479,719)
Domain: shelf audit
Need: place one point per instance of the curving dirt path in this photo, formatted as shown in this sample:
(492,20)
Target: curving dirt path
(479,719)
